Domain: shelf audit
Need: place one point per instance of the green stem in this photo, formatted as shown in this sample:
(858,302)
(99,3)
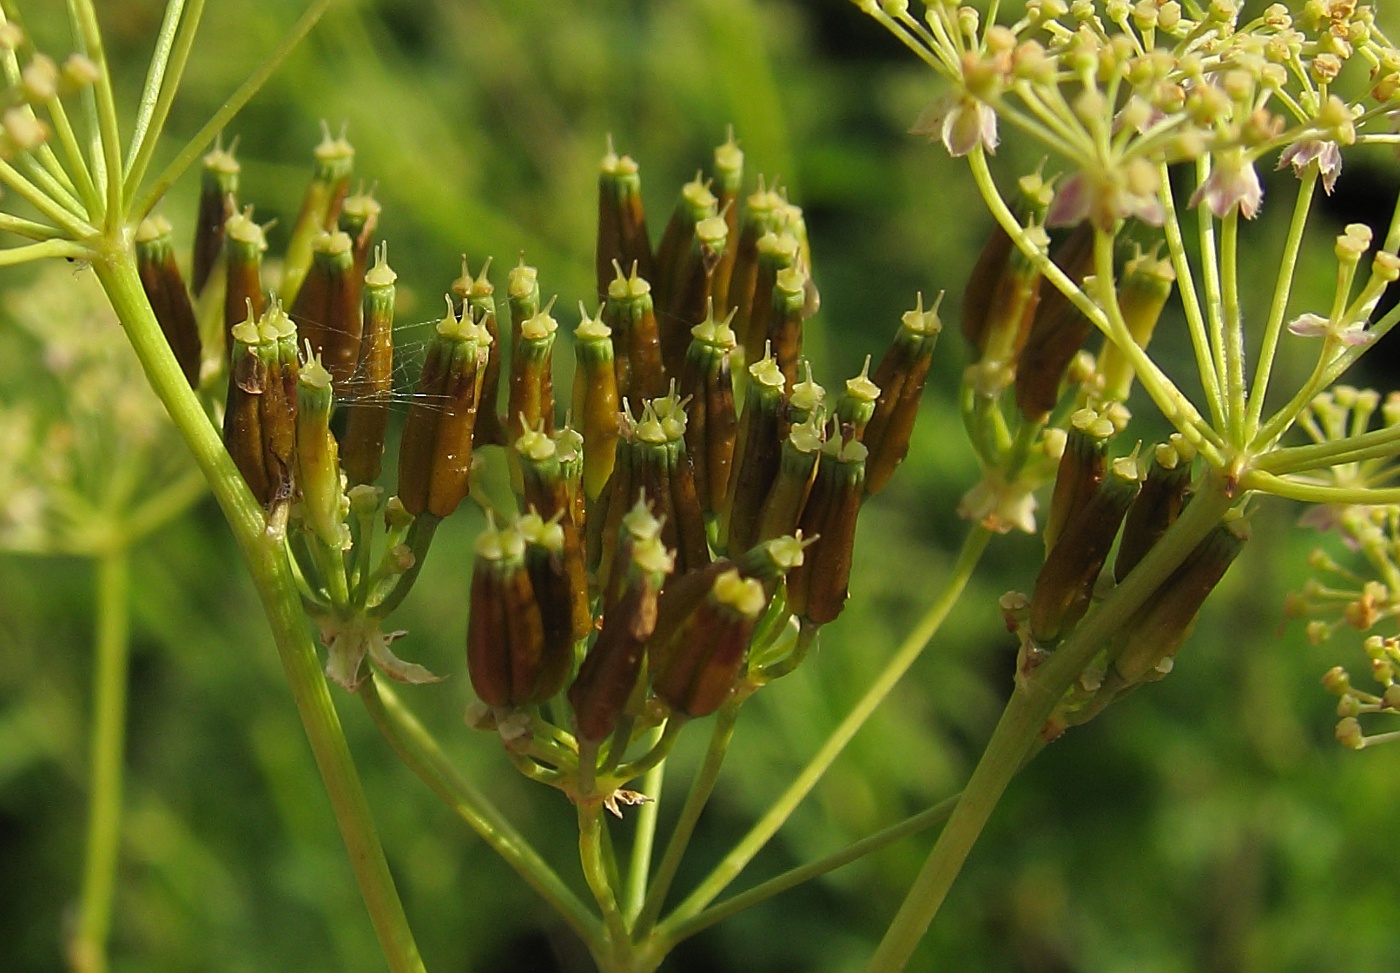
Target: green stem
(639,865)
(1232,329)
(87,953)
(596,874)
(669,934)
(420,751)
(162,82)
(772,820)
(701,787)
(1018,730)
(266,558)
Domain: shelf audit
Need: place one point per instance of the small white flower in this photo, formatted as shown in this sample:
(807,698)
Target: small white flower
(1232,182)
(1324,153)
(961,122)
(1316,326)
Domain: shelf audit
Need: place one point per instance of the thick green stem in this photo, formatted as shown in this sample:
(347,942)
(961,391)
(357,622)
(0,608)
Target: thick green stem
(266,558)
(598,875)
(639,865)
(417,748)
(768,825)
(87,952)
(1018,730)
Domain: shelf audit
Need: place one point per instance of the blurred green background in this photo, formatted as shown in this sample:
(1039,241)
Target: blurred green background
(1208,824)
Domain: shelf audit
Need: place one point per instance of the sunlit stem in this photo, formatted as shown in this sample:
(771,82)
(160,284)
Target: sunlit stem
(1317,492)
(27,228)
(16,181)
(199,143)
(1232,330)
(9,256)
(1377,444)
(1210,275)
(1283,284)
(173,44)
(1191,303)
(108,129)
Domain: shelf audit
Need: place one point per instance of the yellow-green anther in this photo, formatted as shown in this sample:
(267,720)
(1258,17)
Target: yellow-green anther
(728,173)
(596,407)
(696,203)
(327,309)
(817,587)
(785,324)
(762,215)
(696,670)
(532,373)
(478,298)
(1081,469)
(320,209)
(613,664)
(776,252)
(1157,505)
(756,455)
(622,226)
(713,423)
(318,458)
(691,300)
(244,246)
(1058,330)
(435,456)
(1158,629)
(165,290)
(797,468)
(547,491)
(367,422)
(856,405)
(1147,283)
(218,202)
(900,375)
(630,314)
(1065,584)
(505,631)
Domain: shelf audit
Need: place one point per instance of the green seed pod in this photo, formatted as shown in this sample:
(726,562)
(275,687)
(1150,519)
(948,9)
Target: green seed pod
(1146,285)
(785,324)
(606,520)
(505,631)
(435,456)
(762,214)
(637,362)
(596,407)
(323,501)
(1080,472)
(165,290)
(856,406)
(756,455)
(713,424)
(728,173)
(1004,288)
(244,246)
(320,209)
(622,226)
(776,253)
(782,510)
(691,301)
(367,422)
(260,414)
(900,376)
(327,310)
(547,491)
(609,673)
(532,374)
(544,560)
(817,588)
(359,219)
(663,473)
(1158,629)
(478,294)
(695,672)
(696,203)
(1157,505)
(1065,584)
(218,202)
(1058,331)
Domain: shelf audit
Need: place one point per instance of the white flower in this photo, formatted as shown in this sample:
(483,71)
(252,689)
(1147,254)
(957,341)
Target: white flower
(961,122)
(1232,182)
(1324,153)
(1316,326)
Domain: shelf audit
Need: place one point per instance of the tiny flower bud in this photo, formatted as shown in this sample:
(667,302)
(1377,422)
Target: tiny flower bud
(218,203)
(622,228)
(320,208)
(797,468)
(367,422)
(697,670)
(713,423)
(260,414)
(318,458)
(505,630)
(244,246)
(817,587)
(696,203)
(728,179)
(694,293)
(532,374)
(546,490)
(630,314)
(479,295)
(1057,331)
(595,402)
(856,406)
(1156,507)
(327,309)
(756,455)
(763,214)
(900,377)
